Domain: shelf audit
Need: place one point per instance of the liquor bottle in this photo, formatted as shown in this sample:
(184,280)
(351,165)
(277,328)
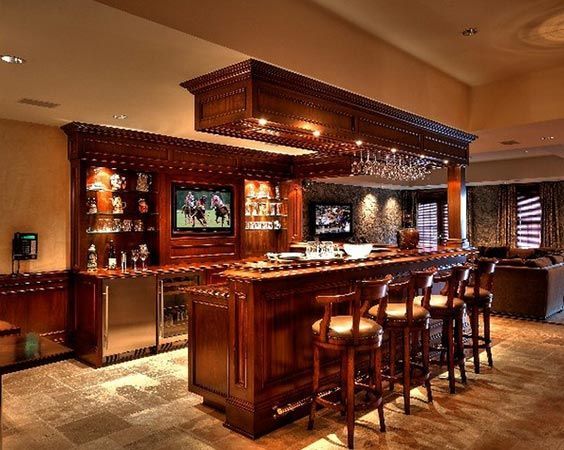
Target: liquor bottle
(112,257)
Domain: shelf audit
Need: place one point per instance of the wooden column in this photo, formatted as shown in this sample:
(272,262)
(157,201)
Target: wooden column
(456,194)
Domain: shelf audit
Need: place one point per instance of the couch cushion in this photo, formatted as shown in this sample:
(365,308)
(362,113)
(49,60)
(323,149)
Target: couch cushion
(556,259)
(522,253)
(511,262)
(545,261)
(495,252)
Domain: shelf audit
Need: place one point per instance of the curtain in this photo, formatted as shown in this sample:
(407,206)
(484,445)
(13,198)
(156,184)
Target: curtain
(550,224)
(469,216)
(507,215)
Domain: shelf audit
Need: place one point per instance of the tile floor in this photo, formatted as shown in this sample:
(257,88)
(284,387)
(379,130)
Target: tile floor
(144,404)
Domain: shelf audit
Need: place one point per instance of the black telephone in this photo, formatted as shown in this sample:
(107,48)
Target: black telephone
(24,246)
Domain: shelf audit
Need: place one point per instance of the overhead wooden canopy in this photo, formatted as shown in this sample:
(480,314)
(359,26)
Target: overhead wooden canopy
(258,101)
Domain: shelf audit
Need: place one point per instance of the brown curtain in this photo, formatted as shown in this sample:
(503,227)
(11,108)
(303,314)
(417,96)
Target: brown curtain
(469,216)
(507,215)
(550,224)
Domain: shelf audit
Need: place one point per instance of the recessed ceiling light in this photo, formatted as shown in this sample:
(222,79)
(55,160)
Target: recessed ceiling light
(358,143)
(120,116)
(547,138)
(469,31)
(393,150)
(526,151)
(317,133)
(262,122)
(445,161)
(12,59)
(422,155)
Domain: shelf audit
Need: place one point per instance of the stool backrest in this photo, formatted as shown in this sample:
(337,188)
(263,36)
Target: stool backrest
(456,284)
(483,275)
(374,292)
(353,301)
(420,283)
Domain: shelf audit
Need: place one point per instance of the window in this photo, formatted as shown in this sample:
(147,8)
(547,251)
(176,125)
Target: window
(432,218)
(529,216)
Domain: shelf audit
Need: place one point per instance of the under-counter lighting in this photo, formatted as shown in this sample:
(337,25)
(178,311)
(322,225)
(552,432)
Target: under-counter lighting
(120,116)
(12,59)
(445,161)
(547,138)
(358,143)
(262,122)
(317,133)
(471,31)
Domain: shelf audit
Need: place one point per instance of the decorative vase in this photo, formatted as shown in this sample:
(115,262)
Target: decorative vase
(408,238)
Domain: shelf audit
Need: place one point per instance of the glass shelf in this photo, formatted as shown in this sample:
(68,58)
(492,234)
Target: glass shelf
(136,214)
(118,232)
(121,191)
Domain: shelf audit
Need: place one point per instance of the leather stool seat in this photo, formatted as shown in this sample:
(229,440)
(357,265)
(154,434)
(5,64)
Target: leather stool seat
(440,302)
(341,327)
(396,312)
(483,294)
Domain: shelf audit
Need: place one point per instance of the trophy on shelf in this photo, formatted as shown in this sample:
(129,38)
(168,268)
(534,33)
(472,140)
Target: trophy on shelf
(91,205)
(142,206)
(92,261)
(143,182)
(117,182)
(138,225)
(118,205)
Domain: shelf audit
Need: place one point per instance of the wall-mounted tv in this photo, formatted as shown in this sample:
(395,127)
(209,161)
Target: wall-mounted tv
(329,220)
(202,209)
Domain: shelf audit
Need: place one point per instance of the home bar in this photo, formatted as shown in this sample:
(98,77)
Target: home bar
(251,248)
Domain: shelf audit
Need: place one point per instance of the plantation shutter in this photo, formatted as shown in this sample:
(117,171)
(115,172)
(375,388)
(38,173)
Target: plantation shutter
(529,216)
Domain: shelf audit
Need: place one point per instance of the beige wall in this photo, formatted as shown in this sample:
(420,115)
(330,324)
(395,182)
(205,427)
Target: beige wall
(534,97)
(34,193)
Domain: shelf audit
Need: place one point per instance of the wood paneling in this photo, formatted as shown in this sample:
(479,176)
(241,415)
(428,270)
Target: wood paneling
(37,303)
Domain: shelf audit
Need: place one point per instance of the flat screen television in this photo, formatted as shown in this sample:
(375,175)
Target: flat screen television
(202,209)
(331,220)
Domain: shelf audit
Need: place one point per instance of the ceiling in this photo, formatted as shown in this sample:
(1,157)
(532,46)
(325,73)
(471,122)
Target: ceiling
(514,36)
(96,61)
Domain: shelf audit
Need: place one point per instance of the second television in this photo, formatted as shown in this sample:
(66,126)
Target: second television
(202,209)
(331,220)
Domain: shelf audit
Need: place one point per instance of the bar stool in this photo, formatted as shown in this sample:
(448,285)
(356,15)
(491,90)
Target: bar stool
(450,308)
(408,320)
(350,334)
(478,298)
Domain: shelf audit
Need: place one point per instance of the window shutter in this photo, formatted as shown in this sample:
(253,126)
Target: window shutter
(529,216)
(427,223)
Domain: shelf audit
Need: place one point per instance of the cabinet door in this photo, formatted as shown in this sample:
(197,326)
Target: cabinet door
(129,314)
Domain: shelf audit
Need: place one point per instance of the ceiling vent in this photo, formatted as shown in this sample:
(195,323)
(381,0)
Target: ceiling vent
(510,142)
(39,103)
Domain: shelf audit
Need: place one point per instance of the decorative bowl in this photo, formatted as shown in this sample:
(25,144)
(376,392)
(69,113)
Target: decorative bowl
(357,250)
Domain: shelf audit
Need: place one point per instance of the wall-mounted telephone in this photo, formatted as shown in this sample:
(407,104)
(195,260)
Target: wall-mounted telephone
(24,246)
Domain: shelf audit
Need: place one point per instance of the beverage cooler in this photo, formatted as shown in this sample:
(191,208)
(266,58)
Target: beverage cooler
(172,310)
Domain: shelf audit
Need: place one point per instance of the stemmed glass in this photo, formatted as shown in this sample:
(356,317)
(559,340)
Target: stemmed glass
(134,257)
(143,255)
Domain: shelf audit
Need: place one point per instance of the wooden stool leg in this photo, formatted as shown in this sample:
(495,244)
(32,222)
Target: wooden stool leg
(393,346)
(315,387)
(475,338)
(425,353)
(378,386)
(460,349)
(450,356)
(343,383)
(350,397)
(487,337)
(406,371)
(444,343)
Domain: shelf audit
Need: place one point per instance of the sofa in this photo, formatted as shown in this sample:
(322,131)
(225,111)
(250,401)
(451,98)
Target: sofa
(527,282)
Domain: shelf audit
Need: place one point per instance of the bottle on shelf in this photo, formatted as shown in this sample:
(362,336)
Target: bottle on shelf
(112,257)
(92,261)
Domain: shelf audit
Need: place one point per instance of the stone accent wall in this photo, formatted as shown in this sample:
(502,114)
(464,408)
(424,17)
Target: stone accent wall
(377,213)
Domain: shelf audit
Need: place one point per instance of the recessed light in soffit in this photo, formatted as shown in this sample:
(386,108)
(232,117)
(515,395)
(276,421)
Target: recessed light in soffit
(39,103)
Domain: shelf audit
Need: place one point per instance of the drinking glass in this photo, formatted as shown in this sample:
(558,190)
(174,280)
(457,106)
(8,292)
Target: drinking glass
(311,249)
(143,255)
(135,257)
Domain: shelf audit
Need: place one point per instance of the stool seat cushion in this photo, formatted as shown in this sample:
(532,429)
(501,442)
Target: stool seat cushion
(341,327)
(482,294)
(398,312)
(439,302)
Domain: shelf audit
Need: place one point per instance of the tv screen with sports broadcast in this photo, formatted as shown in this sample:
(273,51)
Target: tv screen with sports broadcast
(331,220)
(202,209)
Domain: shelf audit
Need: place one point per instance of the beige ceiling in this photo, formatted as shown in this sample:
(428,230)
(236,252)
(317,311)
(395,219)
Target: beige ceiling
(514,36)
(96,61)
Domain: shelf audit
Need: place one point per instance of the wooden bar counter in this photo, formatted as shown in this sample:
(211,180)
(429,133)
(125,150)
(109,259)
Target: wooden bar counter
(267,350)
